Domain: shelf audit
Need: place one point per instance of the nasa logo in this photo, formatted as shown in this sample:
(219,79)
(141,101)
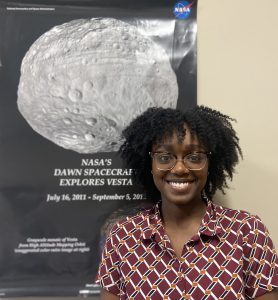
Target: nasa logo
(182,10)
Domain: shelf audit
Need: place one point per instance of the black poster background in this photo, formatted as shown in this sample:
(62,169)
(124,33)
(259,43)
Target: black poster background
(27,160)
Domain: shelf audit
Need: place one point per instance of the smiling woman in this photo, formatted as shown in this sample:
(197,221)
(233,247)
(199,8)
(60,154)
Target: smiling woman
(186,247)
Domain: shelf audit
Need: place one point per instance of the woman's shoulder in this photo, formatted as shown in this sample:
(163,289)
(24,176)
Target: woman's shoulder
(243,219)
(235,214)
(132,223)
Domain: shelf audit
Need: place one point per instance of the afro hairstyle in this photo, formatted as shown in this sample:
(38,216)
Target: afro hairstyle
(211,127)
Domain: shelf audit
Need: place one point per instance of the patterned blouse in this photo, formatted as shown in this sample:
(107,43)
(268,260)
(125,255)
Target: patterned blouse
(231,257)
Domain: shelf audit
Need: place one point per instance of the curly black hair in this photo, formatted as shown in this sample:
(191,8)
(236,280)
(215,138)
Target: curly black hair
(211,127)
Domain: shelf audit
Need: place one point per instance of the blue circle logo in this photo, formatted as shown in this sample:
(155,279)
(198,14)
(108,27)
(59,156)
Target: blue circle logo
(182,10)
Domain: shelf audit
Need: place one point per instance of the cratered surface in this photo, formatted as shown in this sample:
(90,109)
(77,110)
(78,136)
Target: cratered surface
(82,82)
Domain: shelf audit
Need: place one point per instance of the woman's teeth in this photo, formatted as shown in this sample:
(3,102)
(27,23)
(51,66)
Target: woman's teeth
(178,185)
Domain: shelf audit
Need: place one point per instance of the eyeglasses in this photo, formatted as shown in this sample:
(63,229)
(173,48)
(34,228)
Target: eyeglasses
(193,161)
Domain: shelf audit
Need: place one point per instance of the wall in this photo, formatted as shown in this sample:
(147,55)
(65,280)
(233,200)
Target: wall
(238,74)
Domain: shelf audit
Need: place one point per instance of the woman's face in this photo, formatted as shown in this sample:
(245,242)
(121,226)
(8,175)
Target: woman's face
(180,185)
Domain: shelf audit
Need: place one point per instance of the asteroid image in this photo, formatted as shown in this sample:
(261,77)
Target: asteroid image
(83,81)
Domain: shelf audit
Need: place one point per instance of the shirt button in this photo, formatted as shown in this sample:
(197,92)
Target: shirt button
(180,275)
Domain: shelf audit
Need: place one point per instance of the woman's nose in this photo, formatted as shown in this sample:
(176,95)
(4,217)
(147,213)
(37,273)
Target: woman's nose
(180,167)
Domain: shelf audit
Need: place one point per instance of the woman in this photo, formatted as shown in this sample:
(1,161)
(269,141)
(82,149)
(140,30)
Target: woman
(186,247)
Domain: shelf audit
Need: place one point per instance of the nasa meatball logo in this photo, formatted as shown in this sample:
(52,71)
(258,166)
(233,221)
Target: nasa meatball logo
(182,10)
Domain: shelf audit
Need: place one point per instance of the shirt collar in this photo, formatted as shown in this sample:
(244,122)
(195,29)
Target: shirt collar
(152,223)
(210,226)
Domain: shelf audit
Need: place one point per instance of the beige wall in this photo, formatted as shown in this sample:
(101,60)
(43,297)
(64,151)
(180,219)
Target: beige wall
(238,74)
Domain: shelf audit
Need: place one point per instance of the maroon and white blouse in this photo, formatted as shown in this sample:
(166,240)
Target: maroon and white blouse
(231,257)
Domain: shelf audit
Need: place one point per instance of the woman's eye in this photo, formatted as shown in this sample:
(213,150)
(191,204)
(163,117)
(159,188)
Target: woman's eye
(194,157)
(164,158)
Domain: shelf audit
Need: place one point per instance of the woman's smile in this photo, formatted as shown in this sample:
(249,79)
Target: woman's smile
(180,185)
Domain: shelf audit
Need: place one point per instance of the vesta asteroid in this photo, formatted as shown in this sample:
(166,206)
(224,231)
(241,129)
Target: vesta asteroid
(83,81)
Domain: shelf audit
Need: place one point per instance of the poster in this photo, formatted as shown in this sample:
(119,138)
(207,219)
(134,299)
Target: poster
(63,102)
